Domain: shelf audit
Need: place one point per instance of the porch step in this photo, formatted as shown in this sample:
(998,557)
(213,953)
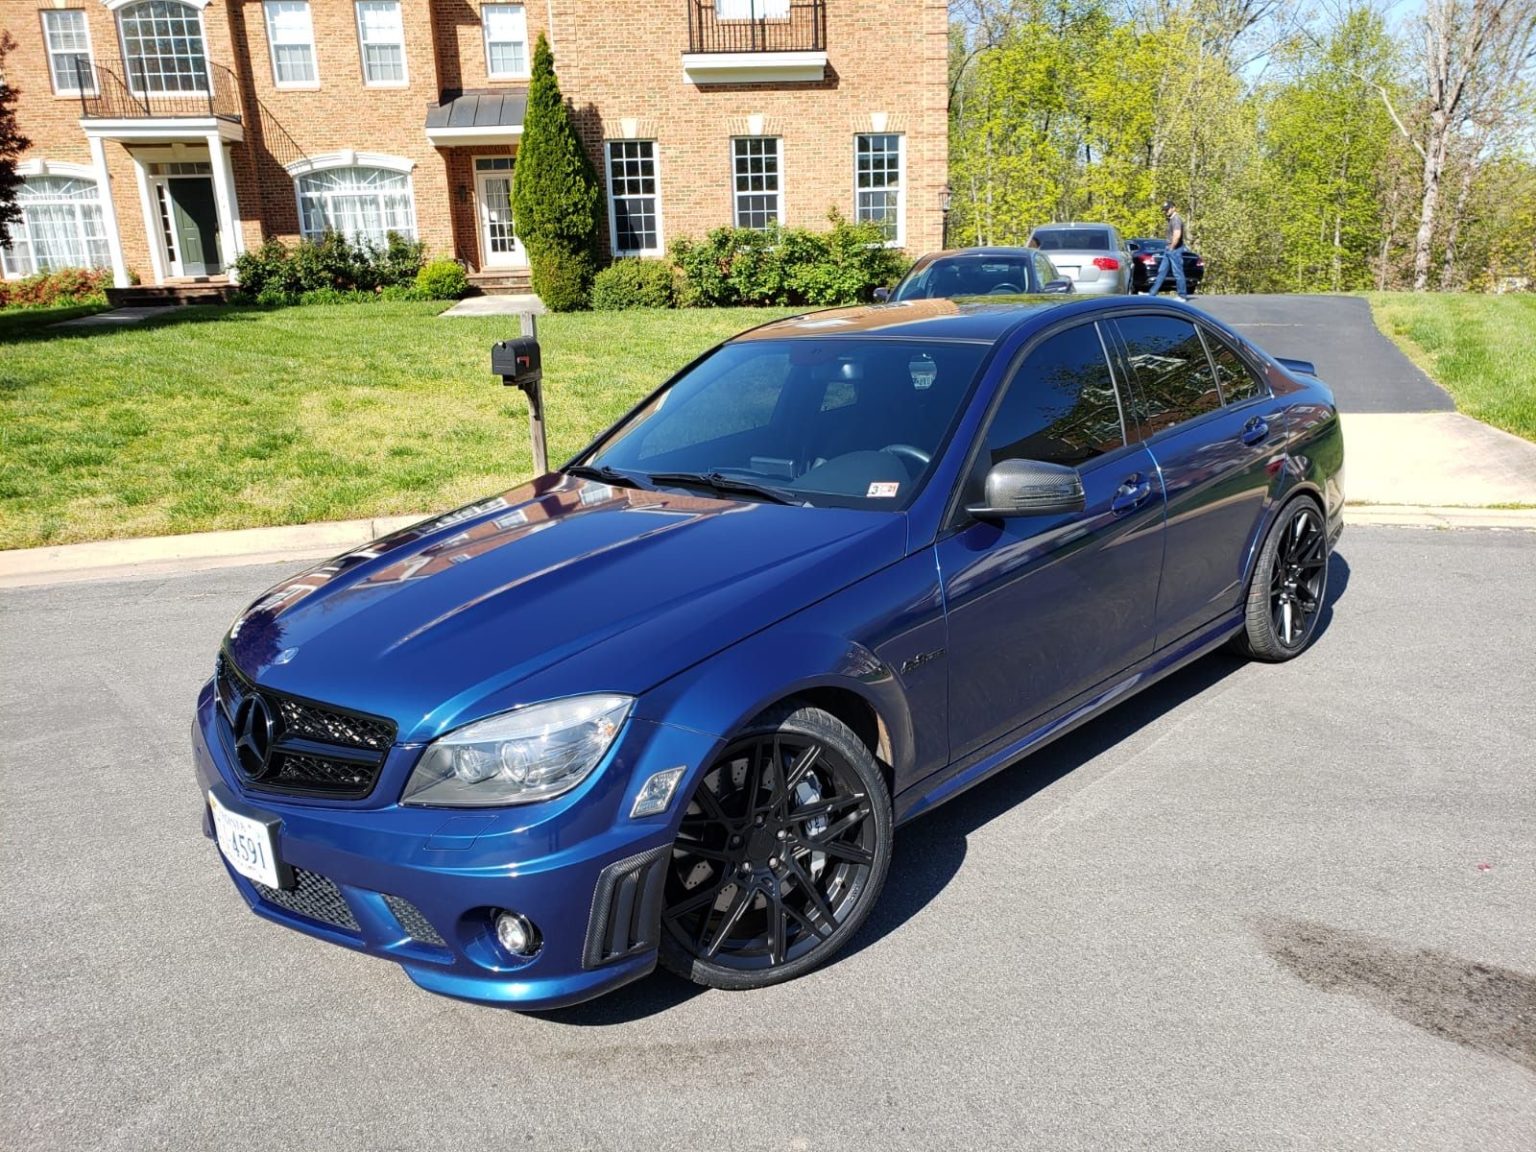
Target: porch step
(169,295)
(502,281)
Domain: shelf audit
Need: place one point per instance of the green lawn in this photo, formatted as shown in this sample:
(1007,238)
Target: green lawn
(1478,348)
(236,418)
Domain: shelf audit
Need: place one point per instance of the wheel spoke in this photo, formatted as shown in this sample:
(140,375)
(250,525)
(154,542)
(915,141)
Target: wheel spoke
(826,806)
(711,805)
(852,820)
(778,930)
(852,853)
(802,767)
(707,896)
(693,848)
(733,914)
(812,893)
(821,929)
(1286,626)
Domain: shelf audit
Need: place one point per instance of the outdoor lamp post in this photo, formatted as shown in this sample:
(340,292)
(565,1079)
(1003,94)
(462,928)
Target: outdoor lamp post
(945,198)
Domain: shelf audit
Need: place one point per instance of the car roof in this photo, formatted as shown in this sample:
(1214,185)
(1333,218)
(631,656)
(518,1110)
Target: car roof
(980,319)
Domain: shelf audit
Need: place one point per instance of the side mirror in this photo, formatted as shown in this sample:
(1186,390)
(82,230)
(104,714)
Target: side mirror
(882,295)
(1057,287)
(1029,488)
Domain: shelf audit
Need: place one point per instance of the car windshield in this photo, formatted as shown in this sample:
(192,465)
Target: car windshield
(1070,239)
(950,276)
(834,422)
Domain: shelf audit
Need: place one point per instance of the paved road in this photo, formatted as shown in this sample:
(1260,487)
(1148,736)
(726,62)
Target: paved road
(1259,907)
(1365,369)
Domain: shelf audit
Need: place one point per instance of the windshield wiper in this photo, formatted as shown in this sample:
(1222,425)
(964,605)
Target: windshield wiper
(720,482)
(604,473)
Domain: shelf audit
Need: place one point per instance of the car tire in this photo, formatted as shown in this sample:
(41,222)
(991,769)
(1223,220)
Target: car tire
(781,854)
(1288,586)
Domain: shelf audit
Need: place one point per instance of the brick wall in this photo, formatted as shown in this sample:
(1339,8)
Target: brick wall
(619,64)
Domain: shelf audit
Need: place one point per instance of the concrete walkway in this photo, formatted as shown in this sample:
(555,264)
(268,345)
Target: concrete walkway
(496,306)
(115,318)
(1435,458)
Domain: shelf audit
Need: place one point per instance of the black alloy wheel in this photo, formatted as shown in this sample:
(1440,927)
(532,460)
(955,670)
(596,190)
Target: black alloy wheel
(782,851)
(1289,583)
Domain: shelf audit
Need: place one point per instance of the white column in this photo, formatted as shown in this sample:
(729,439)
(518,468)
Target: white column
(152,226)
(109,213)
(228,248)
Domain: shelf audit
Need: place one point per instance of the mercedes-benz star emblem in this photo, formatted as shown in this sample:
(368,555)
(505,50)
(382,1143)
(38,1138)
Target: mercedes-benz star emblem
(255,732)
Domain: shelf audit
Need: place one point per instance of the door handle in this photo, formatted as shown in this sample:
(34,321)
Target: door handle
(1255,430)
(1132,493)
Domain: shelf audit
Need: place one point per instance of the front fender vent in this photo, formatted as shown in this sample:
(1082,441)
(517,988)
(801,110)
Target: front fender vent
(626,908)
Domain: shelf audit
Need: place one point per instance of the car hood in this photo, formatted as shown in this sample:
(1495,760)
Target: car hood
(556,587)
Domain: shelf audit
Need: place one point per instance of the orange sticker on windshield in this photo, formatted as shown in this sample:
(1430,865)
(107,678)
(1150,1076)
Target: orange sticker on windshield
(884,489)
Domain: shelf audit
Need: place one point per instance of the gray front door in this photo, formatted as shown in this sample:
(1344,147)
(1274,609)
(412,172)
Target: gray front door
(195,218)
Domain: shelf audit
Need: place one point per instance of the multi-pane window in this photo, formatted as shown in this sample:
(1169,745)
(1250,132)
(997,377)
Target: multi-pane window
(69,50)
(291,33)
(633,201)
(363,204)
(163,47)
(506,40)
(756,168)
(877,181)
(60,227)
(381,35)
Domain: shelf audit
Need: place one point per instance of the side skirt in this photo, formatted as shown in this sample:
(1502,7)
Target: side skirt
(913,803)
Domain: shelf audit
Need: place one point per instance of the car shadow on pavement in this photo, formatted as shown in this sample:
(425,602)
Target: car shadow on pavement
(928,853)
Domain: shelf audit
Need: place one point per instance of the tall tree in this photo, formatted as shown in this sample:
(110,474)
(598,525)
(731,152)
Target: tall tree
(1474,54)
(12,144)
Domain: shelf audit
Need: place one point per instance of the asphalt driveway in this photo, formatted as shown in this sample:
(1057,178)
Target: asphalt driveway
(1365,369)
(1257,907)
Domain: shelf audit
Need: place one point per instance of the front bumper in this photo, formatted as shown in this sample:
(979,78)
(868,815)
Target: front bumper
(420,886)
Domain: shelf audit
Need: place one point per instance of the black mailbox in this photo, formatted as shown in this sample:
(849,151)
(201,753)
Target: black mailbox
(517,362)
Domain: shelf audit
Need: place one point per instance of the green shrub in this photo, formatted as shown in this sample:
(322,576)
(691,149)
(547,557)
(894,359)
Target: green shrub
(49,289)
(562,279)
(400,292)
(442,280)
(740,266)
(275,271)
(336,296)
(273,296)
(633,284)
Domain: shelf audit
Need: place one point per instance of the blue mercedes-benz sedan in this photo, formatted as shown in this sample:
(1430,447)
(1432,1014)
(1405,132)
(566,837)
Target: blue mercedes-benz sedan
(668,703)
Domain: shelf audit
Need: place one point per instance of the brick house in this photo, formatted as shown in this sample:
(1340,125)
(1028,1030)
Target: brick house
(169,136)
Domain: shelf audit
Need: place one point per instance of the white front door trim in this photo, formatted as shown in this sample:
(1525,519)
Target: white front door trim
(485,207)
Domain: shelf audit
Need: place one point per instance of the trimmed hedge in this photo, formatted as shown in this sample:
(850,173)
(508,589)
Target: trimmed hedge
(633,284)
(735,267)
(49,289)
(442,280)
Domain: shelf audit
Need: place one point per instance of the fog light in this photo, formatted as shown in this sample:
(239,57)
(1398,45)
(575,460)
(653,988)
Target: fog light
(516,934)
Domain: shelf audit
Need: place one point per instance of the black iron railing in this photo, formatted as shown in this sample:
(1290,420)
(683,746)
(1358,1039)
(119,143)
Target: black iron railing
(757,25)
(210,92)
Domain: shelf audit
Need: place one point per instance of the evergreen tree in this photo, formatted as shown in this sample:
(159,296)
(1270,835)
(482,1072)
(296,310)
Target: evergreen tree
(12,145)
(555,193)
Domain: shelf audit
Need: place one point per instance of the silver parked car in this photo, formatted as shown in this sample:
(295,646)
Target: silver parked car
(1093,256)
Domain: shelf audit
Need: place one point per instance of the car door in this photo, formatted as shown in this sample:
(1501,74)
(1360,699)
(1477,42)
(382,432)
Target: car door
(1041,608)
(1218,463)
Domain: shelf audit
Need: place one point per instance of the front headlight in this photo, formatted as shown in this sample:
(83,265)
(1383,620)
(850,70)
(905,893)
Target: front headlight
(531,753)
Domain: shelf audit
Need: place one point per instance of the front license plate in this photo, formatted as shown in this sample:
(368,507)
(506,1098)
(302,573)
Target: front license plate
(248,845)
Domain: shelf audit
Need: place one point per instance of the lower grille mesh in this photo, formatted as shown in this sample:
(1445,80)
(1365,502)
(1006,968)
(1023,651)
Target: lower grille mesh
(411,919)
(314,896)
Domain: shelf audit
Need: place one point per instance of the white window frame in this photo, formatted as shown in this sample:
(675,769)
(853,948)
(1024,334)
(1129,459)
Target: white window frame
(900,239)
(273,44)
(485,35)
(737,193)
(65,172)
(318,165)
(90,51)
(363,45)
(170,93)
(613,223)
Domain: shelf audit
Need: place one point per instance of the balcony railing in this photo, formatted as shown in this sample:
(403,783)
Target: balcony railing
(212,93)
(757,26)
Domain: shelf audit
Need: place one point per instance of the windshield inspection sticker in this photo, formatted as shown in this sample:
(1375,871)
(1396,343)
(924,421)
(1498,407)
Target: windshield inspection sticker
(883,489)
(924,373)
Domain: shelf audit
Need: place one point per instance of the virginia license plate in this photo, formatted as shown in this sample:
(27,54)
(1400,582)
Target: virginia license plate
(248,845)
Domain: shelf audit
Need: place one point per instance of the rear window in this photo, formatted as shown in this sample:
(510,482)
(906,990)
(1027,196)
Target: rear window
(966,276)
(1064,239)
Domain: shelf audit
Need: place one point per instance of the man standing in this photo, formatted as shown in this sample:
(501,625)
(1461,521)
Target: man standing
(1173,255)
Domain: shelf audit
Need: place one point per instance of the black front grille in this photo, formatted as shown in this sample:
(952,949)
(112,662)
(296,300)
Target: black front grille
(411,919)
(316,750)
(313,896)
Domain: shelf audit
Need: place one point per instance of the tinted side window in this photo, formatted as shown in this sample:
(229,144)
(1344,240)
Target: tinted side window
(1060,405)
(1237,380)
(1174,381)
